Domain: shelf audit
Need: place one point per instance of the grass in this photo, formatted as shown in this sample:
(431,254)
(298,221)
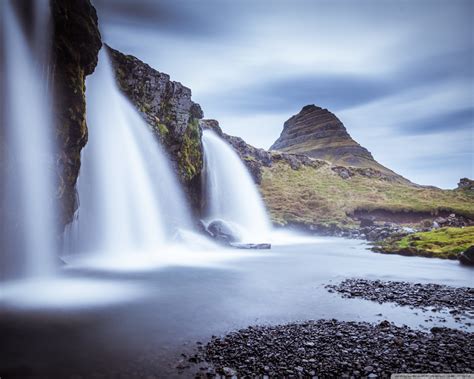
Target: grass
(320,197)
(444,243)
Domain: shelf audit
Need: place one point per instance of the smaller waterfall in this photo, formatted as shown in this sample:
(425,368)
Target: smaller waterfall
(231,194)
(130,199)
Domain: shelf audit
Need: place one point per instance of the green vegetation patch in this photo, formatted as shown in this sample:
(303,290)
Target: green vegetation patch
(162,129)
(444,243)
(190,155)
(320,197)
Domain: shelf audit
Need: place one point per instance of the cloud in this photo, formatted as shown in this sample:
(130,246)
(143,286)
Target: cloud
(173,17)
(462,119)
(393,71)
(334,91)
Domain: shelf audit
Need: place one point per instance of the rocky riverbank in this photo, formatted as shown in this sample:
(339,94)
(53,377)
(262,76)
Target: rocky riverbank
(331,348)
(424,296)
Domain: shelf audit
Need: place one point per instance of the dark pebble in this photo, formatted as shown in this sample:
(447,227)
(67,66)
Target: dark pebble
(361,350)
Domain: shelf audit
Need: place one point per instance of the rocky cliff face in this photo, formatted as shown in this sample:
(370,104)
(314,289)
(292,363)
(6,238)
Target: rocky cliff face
(72,55)
(318,133)
(76,43)
(169,111)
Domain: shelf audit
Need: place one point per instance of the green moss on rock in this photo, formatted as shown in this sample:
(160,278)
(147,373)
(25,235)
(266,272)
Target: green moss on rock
(190,156)
(76,43)
(444,243)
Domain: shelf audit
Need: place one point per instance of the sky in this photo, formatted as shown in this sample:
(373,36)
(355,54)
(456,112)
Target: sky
(399,74)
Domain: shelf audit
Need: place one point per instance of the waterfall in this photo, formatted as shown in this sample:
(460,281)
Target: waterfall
(129,197)
(27,165)
(231,194)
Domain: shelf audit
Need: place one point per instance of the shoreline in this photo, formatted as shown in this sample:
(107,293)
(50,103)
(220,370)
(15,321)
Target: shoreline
(329,348)
(348,349)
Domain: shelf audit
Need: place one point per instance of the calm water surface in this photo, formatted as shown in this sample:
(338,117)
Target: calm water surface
(119,322)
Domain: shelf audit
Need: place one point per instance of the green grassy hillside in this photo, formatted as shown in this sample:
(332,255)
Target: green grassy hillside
(319,196)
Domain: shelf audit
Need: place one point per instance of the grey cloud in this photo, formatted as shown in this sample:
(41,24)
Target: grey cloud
(339,92)
(400,48)
(462,119)
(175,17)
(333,91)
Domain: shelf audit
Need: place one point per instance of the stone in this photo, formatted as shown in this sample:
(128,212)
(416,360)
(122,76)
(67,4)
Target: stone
(279,351)
(429,296)
(467,256)
(222,232)
(255,246)
(366,222)
(466,184)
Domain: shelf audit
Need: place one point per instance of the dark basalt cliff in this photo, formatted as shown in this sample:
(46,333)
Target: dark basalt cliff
(318,133)
(72,55)
(169,111)
(76,43)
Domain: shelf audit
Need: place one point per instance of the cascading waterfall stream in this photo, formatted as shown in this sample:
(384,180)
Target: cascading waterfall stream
(130,199)
(231,194)
(27,205)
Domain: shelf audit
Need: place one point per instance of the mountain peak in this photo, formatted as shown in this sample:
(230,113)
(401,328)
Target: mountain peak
(318,133)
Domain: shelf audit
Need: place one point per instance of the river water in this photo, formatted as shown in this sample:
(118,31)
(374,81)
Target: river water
(109,321)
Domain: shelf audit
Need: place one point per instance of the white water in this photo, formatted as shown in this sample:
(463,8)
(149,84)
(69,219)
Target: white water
(129,197)
(28,211)
(231,194)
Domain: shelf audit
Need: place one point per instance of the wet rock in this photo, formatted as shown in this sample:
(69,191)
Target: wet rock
(362,351)
(222,232)
(467,257)
(256,246)
(457,299)
(74,54)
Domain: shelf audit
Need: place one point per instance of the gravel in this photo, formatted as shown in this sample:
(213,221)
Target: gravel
(437,296)
(331,348)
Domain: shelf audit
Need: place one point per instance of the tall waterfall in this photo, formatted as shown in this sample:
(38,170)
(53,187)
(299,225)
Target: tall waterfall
(129,197)
(231,194)
(27,165)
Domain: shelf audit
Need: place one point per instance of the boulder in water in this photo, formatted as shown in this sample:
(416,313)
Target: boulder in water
(222,232)
(467,257)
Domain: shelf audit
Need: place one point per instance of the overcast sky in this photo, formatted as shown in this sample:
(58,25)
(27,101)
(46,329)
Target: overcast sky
(399,74)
